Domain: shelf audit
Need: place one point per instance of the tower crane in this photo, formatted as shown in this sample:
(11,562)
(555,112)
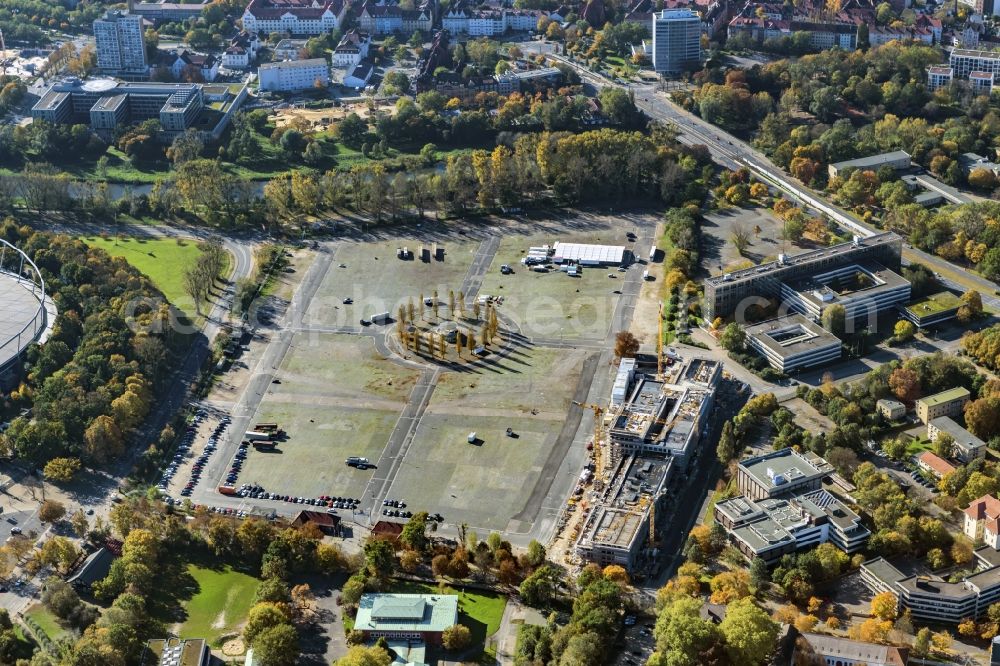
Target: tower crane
(659,345)
(598,434)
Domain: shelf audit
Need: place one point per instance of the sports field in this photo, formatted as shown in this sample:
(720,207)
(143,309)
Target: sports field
(337,398)
(220,604)
(487,483)
(162,260)
(378,282)
(553,304)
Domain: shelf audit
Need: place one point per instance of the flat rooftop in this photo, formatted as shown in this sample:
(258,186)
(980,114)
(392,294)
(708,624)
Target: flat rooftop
(175,652)
(943,301)
(872,160)
(957,393)
(406,612)
(806,258)
(295,64)
(869,279)
(973,53)
(786,466)
(585,253)
(881,569)
(623,509)
(792,335)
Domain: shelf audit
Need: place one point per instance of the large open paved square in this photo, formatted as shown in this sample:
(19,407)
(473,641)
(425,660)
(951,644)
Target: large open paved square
(378,281)
(336,398)
(487,484)
(553,304)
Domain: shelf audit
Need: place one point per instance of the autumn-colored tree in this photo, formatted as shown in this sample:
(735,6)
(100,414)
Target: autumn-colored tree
(971,307)
(873,630)
(62,469)
(51,511)
(885,606)
(905,384)
(616,573)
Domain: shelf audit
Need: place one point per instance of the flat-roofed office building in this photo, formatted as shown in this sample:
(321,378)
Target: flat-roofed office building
(793,342)
(781,473)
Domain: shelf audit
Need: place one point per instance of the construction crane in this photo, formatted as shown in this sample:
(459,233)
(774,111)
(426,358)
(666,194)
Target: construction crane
(659,345)
(598,434)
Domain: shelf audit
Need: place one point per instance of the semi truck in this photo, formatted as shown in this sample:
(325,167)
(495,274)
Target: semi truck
(257,436)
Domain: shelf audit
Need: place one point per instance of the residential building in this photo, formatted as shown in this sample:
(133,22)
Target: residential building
(421,617)
(296,17)
(863,289)
(982,520)
(965,61)
(939,76)
(293,75)
(163,11)
(121,49)
(667,417)
(934,464)
(176,652)
(981,82)
(242,51)
(386,17)
(780,474)
(772,527)
(724,294)
(288,49)
(793,342)
(891,410)
(946,403)
(195,67)
(360,75)
(676,40)
(966,447)
(107,105)
(352,49)
(616,531)
(899,160)
(823,650)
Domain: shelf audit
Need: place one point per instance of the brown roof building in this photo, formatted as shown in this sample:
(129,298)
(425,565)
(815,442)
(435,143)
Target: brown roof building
(387,530)
(328,523)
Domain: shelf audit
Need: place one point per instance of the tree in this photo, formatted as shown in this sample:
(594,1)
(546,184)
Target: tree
(740,236)
(922,643)
(682,636)
(885,606)
(536,553)
(626,345)
(539,588)
(729,444)
(379,557)
(277,646)
(905,384)
(414,534)
(971,307)
(904,330)
(732,338)
(261,617)
(874,630)
(61,469)
(759,575)
(616,573)
(943,444)
(729,586)
(751,636)
(982,417)
(365,656)
(51,511)
(456,637)
(834,319)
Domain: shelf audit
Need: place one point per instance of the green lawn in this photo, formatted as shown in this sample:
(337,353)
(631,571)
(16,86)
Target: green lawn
(220,604)
(46,621)
(918,446)
(162,260)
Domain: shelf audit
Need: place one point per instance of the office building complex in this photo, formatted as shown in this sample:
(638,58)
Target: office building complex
(945,403)
(964,62)
(793,342)
(121,49)
(676,40)
(292,75)
(728,294)
(863,289)
(108,105)
(775,526)
(780,474)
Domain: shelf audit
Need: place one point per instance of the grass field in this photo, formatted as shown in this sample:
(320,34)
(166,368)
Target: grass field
(554,304)
(46,621)
(487,483)
(380,285)
(162,260)
(337,398)
(918,446)
(219,606)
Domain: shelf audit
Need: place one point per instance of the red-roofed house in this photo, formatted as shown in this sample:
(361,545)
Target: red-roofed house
(387,530)
(982,520)
(934,464)
(296,17)
(328,523)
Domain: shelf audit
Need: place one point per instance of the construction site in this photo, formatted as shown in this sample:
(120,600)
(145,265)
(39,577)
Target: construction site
(643,445)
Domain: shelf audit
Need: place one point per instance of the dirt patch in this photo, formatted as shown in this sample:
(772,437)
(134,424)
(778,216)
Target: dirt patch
(234,647)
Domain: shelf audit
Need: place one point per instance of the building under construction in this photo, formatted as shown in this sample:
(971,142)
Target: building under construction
(666,415)
(618,528)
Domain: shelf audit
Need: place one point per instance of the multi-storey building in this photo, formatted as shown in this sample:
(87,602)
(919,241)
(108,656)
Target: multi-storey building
(780,474)
(242,51)
(728,293)
(939,76)
(934,464)
(385,18)
(945,403)
(352,49)
(195,67)
(296,17)
(965,61)
(863,289)
(775,526)
(982,520)
(965,446)
(676,40)
(291,75)
(793,342)
(981,82)
(121,49)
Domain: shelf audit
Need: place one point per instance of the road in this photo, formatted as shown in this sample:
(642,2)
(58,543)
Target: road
(733,153)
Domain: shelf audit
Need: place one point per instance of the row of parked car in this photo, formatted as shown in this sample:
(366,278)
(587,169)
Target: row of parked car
(202,460)
(256,491)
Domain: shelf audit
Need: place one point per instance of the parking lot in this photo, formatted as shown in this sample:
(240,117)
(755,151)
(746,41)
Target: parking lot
(717,250)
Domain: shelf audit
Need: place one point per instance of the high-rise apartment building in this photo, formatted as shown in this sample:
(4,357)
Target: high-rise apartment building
(676,40)
(120,46)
